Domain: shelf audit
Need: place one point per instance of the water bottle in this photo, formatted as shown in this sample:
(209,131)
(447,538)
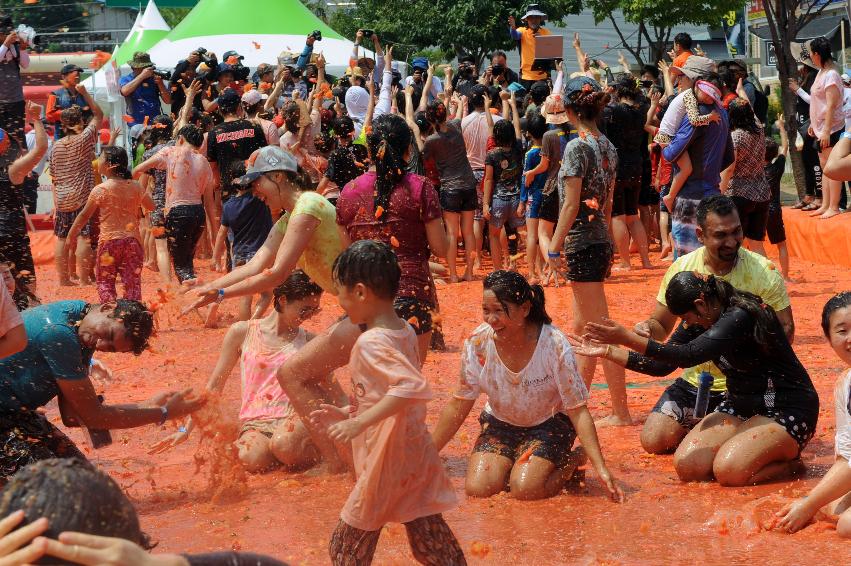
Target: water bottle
(704,384)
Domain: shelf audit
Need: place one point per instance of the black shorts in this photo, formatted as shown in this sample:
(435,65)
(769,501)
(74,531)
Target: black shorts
(410,309)
(775,228)
(550,207)
(157,217)
(834,139)
(799,423)
(678,400)
(625,199)
(62,222)
(454,200)
(754,217)
(550,440)
(591,264)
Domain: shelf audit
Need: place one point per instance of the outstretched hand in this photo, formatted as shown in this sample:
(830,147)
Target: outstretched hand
(586,347)
(607,331)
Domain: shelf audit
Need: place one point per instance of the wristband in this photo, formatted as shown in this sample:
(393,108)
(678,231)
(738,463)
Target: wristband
(164,416)
(846,135)
(220,296)
(553,255)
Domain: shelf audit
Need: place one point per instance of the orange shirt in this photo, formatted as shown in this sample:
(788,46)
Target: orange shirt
(681,59)
(527,53)
(119,203)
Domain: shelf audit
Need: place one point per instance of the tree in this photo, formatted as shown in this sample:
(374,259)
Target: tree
(456,27)
(173,16)
(45,18)
(785,19)
(657,20)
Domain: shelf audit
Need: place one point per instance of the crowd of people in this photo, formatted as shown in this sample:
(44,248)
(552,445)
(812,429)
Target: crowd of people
(292,183)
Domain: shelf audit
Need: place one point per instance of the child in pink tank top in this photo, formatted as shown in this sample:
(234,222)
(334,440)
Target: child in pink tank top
(271,433)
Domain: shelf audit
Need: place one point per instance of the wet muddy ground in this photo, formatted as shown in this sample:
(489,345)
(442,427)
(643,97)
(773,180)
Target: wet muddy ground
(663,521)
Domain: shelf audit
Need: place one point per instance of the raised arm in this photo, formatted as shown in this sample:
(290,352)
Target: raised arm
(515,116)
(666,77)
(409,116)
(581,57)
(22,166)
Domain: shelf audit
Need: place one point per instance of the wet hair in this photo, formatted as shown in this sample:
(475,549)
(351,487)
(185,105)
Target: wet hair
(297,287)
(477,95)
(324,142)
(741,116)
(536,125)
(511,287)
(116,158)
(436,112)
(835,303)
(772,149)
(688,286)
(504,134)
(538,92)
(372,263)
(300,178)
(683,40)
(719,205)
(343,126)
(192,134)
(71,117)
(821,47)
(652,70)
(728,77)
(162,128)
(138,322)
(421,120)
(74,496)
(589,105)
(252,109)
(292,116)
(625,86)
(387,142)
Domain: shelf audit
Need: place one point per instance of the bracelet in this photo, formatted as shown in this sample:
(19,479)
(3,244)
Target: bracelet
(164,416)
(220,296)
(553,255)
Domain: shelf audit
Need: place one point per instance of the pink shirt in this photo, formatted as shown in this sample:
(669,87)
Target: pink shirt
(262,396)
(188,175)
(9,315)
(119,204)
(400,476)
(821,123)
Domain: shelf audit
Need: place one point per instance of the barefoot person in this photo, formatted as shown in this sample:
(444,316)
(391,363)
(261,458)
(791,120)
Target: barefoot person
(536,398)
(833,492)
(587,180)
(756,434)
(271,433)
(62,338)
(722,255)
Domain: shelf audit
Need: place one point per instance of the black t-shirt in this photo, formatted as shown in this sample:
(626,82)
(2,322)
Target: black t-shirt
(11,196)
(624,126)
(773,174)
(753,372)
(346,163)
(230,143)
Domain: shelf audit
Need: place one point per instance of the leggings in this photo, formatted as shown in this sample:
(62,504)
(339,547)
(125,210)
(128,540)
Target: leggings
(123,256)
(431,540)
(812,168)
(15,250)
(184,225)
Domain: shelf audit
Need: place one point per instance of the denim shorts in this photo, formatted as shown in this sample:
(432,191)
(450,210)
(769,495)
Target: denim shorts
(504,211)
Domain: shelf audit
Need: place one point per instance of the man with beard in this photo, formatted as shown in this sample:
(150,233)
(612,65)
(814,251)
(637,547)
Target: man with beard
(722,255)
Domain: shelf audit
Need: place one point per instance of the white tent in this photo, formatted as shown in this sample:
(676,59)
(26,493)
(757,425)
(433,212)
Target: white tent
(149,29)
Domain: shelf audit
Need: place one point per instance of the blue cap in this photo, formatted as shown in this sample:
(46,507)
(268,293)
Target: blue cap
(420,63)
(516,87)
(580,84)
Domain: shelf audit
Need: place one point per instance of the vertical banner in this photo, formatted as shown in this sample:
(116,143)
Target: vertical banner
(735,24)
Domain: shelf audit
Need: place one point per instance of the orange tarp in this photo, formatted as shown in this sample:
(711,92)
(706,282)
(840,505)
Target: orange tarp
(820,241)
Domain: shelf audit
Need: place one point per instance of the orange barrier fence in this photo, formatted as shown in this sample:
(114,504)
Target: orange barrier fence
(820,241)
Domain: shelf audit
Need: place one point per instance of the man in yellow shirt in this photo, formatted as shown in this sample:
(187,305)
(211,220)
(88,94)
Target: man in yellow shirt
(525,36)
(720,231)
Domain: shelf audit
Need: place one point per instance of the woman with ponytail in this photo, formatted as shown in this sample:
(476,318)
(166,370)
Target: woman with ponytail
(536,399)
(119,202)
(401,209)
(758,432)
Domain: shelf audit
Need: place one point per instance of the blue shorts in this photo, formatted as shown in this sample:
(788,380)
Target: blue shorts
(504,211)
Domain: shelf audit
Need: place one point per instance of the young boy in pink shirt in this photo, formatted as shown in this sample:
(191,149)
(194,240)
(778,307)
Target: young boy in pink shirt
(401,478)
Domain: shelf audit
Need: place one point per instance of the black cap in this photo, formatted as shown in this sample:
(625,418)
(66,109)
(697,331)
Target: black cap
(70,69)
(229,100)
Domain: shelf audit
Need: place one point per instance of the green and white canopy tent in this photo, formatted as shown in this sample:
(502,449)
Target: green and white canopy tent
(257,29)
(150,28)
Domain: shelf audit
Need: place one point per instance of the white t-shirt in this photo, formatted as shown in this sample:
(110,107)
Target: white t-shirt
(9,315)
(550,383)
(846,108)
(842,400)
(474,128)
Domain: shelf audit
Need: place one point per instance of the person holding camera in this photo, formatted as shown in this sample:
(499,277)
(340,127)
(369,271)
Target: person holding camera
(525,36)
(419,75)
(144,89)
(13,58)
(185,72)
(498,73)
(467,76)
(65,97)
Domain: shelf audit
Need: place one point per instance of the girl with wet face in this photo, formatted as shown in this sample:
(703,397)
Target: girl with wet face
(536,399)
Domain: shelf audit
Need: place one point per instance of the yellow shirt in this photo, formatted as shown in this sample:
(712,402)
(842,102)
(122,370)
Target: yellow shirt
(317,260)
(753,273)
(527,54)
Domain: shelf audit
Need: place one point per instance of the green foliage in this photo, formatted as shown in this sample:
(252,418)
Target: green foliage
(173,16)
(452,26)
(44,19)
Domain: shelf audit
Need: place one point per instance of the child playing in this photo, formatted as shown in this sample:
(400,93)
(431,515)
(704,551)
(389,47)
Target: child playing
(118,201)
(245,223)
(775,165)
(346,162)
(531,194)
(686,103)
(271,433)
(536,399)
(832,495)
(401,478)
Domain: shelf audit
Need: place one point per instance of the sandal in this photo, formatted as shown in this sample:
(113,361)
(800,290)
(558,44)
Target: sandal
(810,206)
(800,204)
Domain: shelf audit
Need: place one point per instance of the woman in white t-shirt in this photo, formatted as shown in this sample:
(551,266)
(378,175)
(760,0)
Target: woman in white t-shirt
(832,495)
(536,398)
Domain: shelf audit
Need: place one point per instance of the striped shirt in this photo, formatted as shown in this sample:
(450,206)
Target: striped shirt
(71,167)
